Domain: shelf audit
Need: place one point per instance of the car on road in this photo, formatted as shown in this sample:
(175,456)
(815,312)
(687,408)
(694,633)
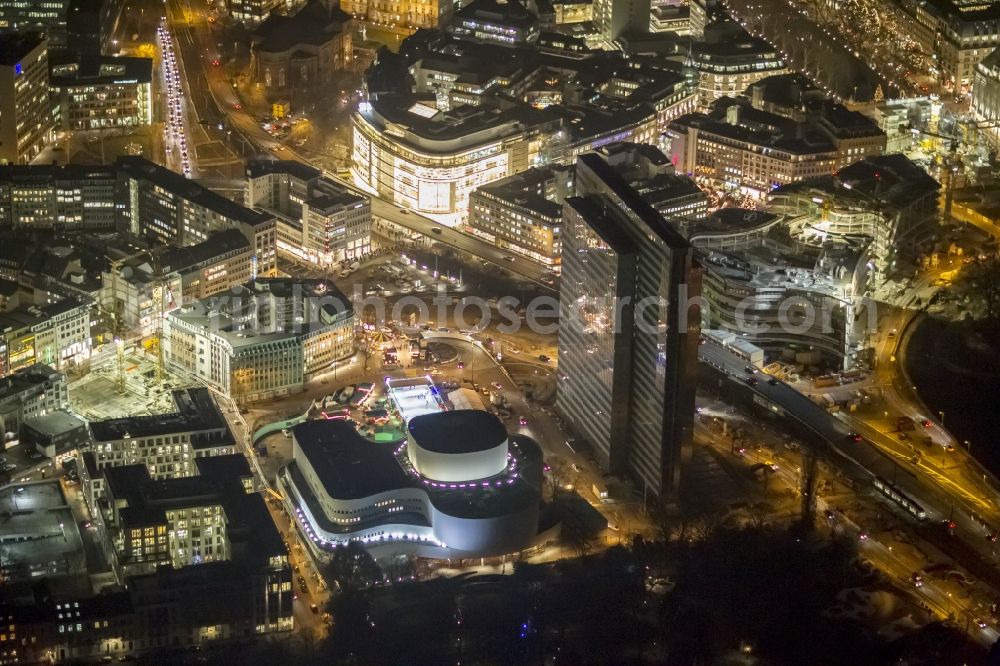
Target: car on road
(314,608)
(752,381)
(854,437)
(404,211)
(981,623)
(436,230)
(750,370)
(461,365)
(543,358)
(773,381)
(917,579)
(497,385)
(510,258)
(523,421)
(863,536)
(926,423)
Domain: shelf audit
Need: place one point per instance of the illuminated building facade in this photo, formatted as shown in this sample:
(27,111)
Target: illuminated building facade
(253,12)
(627,373)
(504,22)
(459,486)
(154,200)
(33,391)
(727,67)
(319,220)
(133,291)
(986,94)
(409,14)
(431,161)
(56,334)
(103,93)
(68,196)
(520,213)
(167,444)
(263,339)
(738,146)
(25,107)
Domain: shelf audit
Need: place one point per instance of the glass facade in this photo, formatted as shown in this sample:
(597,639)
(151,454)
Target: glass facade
(655,341)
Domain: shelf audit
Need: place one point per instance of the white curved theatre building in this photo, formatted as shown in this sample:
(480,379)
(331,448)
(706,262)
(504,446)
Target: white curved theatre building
(458,486)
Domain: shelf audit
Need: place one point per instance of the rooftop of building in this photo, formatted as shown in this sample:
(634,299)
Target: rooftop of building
(893,180)
(663,188)
(55,423)
(26,173)
(523,189)
(14,46)
(348,466)
(260,167)
(730,221)
(29,315)
(193,257)
(31,377)
(102,70)
(599,217)
(756,127)
(504,12)
(457,432)
(228,315)
(39,529)
(488,122)
(653,221)
(196,412)
(142,169)
(318,22)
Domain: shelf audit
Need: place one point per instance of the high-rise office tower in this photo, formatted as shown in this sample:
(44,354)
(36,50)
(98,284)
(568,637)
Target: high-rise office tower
(629,329)
(25,109)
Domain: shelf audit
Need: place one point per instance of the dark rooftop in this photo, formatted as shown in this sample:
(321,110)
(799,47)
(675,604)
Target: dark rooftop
(456,432)
(182,259)
(258,168)
(318,22)
(196,413)
(348,466)
(102,70)
(644,211)
(142,169)
(16,45)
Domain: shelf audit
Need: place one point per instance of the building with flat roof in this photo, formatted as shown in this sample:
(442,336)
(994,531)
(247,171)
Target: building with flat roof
(342,488)
(33,391)
(521,213)
(262,339)
(40,536)
(504,22)
(66,196)
(627,374)
(169,444)
(102,92)
(420,158)
(135,292)
(319,220)
(160,202)
(25,106)
(56,433)
(56,334)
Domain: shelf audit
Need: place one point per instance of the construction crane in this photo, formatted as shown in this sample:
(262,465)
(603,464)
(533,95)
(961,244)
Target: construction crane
(159,289)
